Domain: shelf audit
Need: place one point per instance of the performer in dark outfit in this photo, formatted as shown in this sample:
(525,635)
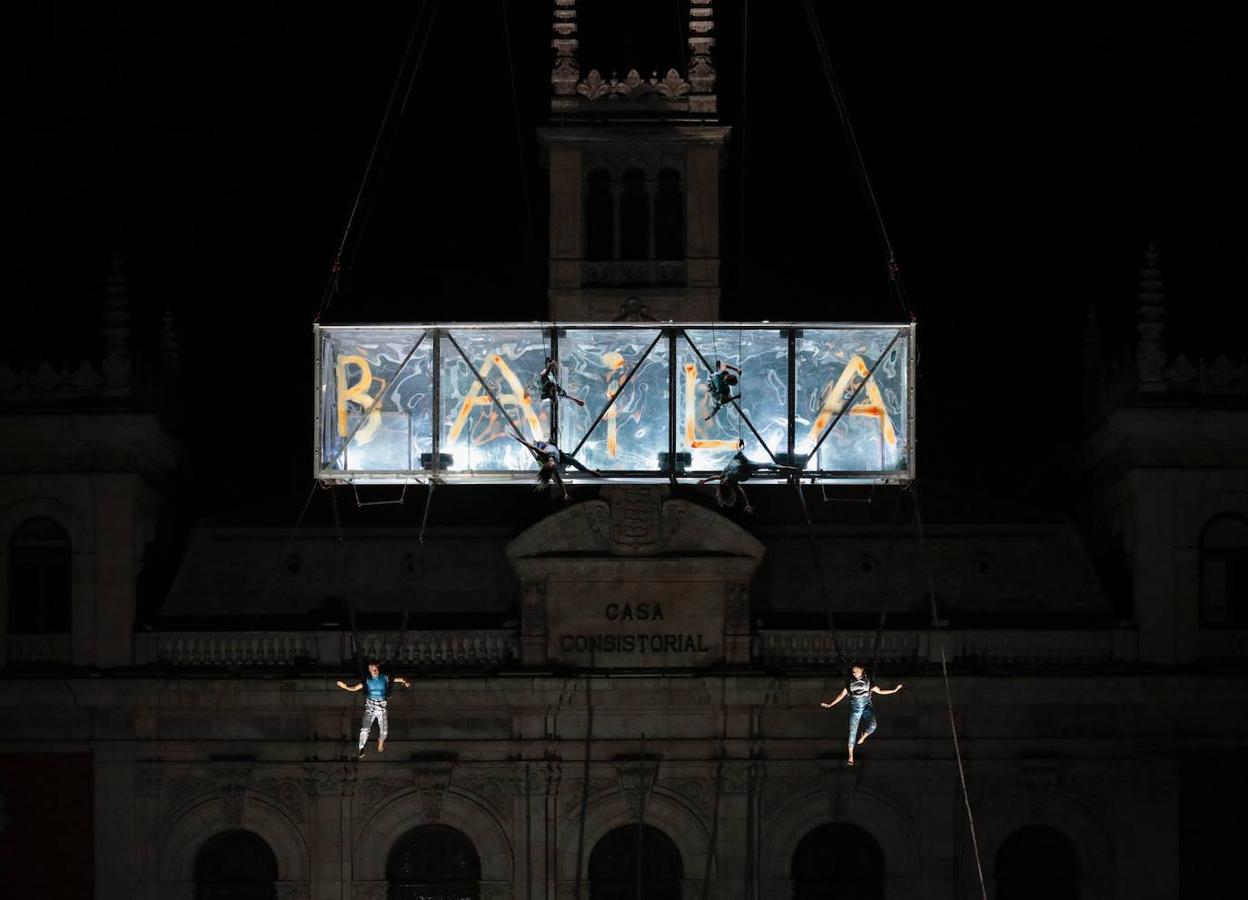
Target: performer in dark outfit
(740,468)
(858,688)
(720,385)
(552,390)
(376,701)
(551,459)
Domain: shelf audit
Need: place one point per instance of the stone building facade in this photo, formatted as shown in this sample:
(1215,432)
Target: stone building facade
(626,691)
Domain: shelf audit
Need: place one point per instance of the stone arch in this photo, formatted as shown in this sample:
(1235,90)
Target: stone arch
(665,811)
(1196,516)
(185,837)
(1080,825)
(460,811)
(680,527)
(64,514)
(874,813)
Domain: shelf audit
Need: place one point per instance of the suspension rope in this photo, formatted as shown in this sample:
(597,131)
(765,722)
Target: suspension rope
(944,671)
(529,255)
(825,58)
(888,565)
(336,267)
(745,94)
(823,583)
(420,562)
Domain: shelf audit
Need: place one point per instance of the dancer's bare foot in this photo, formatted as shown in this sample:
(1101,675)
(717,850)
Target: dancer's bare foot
(863,738)
(381,746)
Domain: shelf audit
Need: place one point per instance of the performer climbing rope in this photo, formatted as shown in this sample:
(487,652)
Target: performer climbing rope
(376,700)
(551,459)
(740,468)
(551,389)
(719,386)
(859,688)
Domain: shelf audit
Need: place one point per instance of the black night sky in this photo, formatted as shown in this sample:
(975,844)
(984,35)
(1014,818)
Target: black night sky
(1023,157)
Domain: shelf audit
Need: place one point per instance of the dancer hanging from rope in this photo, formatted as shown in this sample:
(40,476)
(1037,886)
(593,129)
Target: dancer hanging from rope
(551,389)
(377,689)
(859,688)
(719,386)
(741,468)
(551,459)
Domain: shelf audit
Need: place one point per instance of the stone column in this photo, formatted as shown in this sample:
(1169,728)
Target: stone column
(115,814)
(533,624)
(330,849)
(105,638)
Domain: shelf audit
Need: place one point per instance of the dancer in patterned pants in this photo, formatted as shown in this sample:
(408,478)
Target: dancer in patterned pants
(858,688)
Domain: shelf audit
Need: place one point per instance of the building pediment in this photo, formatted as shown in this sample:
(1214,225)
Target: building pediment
(635,522)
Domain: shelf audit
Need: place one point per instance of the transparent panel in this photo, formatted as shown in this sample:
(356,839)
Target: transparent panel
(873,434)
(595,363)
(711,437)
(473,431)
(359,368)
(376,420)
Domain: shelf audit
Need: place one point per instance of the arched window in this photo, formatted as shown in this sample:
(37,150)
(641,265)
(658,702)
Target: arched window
(634,217)
(614,869)
(235,865)
(1037,863)
(838,860)
(1224,572)
(599,216)
(669,217)
(434,862)
(40,580)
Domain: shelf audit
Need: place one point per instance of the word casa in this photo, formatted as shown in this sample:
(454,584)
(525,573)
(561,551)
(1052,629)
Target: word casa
(640,612)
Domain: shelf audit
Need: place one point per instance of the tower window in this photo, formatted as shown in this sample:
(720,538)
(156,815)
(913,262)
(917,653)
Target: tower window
(634,217)
(1224,572)
(599,217)
(669,217)
(40,578)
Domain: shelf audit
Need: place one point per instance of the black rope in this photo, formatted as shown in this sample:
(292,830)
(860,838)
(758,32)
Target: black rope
(894,270)
(529,255)
(336,267)
(944,671)
(888,565)
(419,566)
(823,583)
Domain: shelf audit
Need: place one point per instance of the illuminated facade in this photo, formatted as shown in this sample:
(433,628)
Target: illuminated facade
(623,689)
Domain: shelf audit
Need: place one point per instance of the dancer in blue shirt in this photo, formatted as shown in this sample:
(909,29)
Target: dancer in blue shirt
(376,698)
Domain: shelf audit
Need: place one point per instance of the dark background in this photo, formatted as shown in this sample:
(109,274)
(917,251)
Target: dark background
(1023,158)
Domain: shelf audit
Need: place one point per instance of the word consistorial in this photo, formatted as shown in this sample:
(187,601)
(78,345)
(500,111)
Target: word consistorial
(636,403)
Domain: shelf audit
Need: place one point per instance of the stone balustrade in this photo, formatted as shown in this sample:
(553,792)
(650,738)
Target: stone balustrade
(1022,647)
(1223,644)
(470,648)
(20,649)
(495,648)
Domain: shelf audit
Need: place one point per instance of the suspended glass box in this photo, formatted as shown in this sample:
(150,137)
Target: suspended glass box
(404,403)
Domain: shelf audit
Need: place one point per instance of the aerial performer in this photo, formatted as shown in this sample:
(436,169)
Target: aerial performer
(859,688)
(719,386)
(551,459)
(741,468)
(376,699)
(552,390)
